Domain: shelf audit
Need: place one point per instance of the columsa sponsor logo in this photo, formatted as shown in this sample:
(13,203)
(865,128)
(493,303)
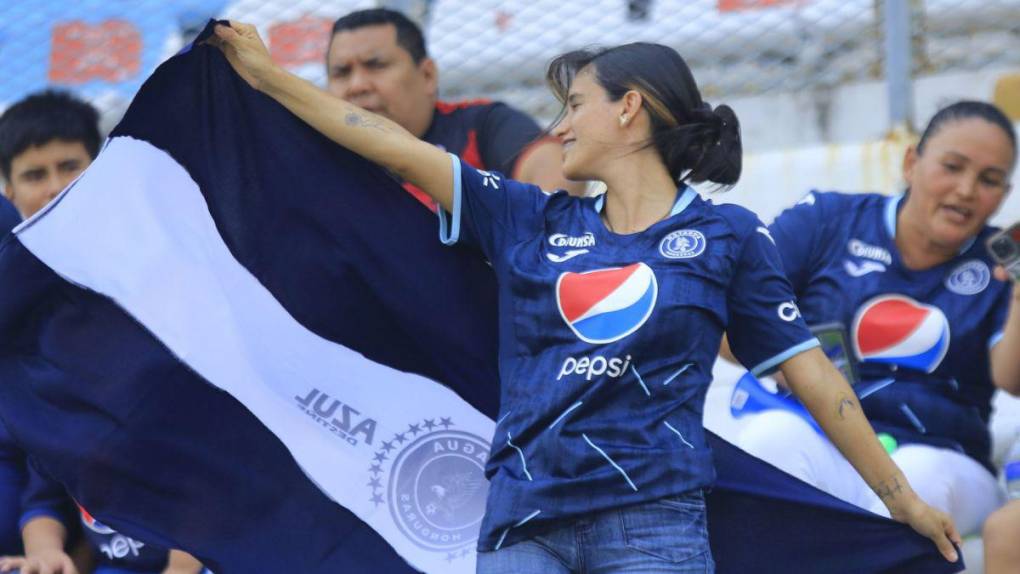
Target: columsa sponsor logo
(859,248)
(563,240)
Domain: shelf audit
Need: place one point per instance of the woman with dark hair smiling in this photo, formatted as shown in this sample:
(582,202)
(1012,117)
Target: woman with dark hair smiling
(611,312)
(934,333)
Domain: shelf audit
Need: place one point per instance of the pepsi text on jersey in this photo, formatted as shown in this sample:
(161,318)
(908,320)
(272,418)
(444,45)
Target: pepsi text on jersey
(594,366)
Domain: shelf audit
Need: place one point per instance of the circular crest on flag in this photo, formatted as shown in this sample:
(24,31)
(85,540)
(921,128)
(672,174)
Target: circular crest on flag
(435,486)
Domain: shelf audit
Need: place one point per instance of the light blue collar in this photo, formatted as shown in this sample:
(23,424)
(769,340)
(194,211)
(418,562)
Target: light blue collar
(892,208)
(683,199)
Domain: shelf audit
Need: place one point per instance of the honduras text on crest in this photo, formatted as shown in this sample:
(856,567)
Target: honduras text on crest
(898,330)
(432,479)
(682,244)
(969,278)
(606,305)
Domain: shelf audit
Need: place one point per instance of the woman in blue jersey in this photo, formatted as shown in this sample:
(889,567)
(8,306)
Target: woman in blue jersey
(935,330)
(611,312)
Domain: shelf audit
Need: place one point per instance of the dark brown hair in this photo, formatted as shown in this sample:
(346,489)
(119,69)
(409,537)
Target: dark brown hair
(964,110)
(696,142)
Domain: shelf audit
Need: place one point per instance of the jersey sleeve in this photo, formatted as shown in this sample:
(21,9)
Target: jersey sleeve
(44,496)
(9,218)
(490,211)
(794,233)
(504,136)
(765,327)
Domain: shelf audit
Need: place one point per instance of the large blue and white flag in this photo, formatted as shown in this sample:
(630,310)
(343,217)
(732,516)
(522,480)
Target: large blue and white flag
(234,337)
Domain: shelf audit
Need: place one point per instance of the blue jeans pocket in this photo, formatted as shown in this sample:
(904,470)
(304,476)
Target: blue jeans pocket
(674,528)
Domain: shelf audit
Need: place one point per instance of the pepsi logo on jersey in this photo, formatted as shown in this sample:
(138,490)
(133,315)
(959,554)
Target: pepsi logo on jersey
(92,524)
(606,305)
(897,330)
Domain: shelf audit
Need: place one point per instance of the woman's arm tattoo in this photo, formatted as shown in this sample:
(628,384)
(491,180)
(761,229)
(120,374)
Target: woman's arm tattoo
(846,404)
(355,119)
(889,488)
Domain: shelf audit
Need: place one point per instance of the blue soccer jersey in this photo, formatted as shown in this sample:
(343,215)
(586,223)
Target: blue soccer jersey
(117,553)
(921,338)
(607,343)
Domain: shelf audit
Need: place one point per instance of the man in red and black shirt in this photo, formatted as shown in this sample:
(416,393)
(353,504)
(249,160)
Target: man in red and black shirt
(377,60)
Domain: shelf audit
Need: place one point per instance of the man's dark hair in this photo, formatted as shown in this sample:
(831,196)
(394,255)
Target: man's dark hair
(409,35)
(43,117)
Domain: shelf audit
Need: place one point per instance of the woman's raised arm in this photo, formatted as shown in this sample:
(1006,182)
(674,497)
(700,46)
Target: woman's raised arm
(371,136)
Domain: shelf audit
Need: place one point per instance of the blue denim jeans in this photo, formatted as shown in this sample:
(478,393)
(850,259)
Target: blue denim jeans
(665,535)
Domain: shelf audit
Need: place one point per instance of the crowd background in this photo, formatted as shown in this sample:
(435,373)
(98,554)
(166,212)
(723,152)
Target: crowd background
(833,87)
(829,92)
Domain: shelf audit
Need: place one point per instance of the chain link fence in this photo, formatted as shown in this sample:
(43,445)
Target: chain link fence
(952,36)
(104,49)
(734,47)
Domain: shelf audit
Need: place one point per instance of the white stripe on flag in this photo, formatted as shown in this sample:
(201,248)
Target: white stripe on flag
(136,228)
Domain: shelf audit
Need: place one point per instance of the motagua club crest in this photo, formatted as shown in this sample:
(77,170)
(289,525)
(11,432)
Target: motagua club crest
(432,478)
